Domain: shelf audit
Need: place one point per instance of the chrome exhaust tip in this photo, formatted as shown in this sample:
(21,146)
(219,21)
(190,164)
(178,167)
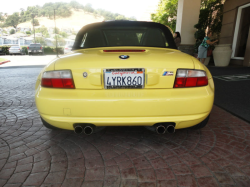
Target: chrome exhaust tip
(170,129)
(78,130)
(88,130)
(160,129)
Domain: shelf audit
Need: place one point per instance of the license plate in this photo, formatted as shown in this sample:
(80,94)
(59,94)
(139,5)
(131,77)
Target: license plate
(124,78)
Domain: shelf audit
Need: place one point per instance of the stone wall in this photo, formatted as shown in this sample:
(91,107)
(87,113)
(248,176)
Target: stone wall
(187,48)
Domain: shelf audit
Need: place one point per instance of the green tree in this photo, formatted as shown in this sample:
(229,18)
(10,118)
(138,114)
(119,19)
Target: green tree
(76,5)
(88,8)
(1,16)
(60,41)
(56,30)
(35,23)
(43,30)
(120,17)
(166,13)
(210,18)
(63,34)
(40,40)
(12,31)
(211,15)
(12,20)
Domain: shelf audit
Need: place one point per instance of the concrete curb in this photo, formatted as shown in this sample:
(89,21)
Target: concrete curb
(4,62)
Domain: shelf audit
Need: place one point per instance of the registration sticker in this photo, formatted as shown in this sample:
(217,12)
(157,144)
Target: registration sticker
(168,73)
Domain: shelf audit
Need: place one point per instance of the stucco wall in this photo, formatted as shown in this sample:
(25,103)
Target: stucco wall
(229,20)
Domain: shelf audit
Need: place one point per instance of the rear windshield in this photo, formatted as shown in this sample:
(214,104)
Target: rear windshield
(35,45)
(15,47)
(123,36)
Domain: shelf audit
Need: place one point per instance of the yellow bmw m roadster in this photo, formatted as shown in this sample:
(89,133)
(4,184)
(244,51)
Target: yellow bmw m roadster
(124,73)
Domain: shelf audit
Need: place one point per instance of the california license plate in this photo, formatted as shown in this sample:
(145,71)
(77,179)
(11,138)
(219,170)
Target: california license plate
(124,78)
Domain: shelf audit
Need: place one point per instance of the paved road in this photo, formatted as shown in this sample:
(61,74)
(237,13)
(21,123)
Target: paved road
(31,155)
(26,60)
(232,94)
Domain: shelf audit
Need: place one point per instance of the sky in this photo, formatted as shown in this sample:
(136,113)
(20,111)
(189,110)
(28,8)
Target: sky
(129,8)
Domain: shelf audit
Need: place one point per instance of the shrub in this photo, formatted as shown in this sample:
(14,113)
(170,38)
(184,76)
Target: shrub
(52,50)
(28,32)
(12,31)
(5,49)
(26,50)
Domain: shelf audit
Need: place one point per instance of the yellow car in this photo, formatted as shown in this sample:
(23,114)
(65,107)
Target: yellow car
(124,73)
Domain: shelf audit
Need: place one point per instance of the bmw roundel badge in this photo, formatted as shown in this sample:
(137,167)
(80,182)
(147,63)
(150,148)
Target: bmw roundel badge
(123,57)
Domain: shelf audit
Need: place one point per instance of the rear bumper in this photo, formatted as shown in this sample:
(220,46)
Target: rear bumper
(142,107)
(15,52)
(180,121)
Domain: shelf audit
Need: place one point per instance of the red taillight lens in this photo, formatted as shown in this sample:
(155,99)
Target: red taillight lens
(190,78)
(66,48)
(124,50)
(27,47)
(41,48)
(58,79)
(202,81)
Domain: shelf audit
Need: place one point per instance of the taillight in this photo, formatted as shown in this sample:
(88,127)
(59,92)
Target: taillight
(27,47)
(66,48)
(190,78)
(58,79)
(41,48)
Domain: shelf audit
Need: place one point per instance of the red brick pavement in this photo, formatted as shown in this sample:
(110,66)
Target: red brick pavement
(31,155)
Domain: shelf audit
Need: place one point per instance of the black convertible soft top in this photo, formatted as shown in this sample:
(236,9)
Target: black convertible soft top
(124,33)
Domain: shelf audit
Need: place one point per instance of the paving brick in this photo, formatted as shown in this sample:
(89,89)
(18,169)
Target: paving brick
(32,155)
(92,184)
(181,169)
(19,177)
(112,181)
(146,184)
(168,183)
(76,182)
(55,177)
(125,164)
(164,174)
(142,163)
(224,178)
(128,173)
(186,180)
(112,170)
(208,182)
(35,179)
(146,175)
(200,171)
(94,174)
(75,172)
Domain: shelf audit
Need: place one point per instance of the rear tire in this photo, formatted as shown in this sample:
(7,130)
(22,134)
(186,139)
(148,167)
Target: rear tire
(47,125)
(201,124)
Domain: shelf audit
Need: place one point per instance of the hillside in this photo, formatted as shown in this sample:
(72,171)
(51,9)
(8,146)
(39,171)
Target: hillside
(77,20)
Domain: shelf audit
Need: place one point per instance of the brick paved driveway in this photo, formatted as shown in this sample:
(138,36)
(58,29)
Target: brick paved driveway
(31,155)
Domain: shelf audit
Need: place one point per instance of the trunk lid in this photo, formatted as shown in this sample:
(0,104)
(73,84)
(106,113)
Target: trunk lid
(155,61)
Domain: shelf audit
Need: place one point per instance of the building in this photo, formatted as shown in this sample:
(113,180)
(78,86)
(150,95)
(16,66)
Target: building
(236,30)
(10,40)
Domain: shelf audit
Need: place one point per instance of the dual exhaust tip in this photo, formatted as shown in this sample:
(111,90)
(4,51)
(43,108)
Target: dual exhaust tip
(161,129)
(88,130)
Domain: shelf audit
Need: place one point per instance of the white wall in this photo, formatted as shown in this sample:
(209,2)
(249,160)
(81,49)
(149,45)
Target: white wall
(187,16)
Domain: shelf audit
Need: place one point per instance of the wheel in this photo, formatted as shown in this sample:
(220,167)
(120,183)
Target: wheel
(201,124)
(47,125)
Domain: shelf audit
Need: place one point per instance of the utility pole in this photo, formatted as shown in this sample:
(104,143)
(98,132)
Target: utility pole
(55,31)
(33,15)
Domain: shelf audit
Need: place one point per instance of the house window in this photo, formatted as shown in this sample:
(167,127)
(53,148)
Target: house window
(241,32)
